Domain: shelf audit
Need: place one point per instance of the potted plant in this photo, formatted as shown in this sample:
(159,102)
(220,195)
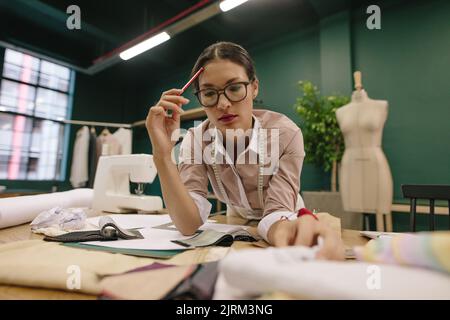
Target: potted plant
(324,143)
(324,146)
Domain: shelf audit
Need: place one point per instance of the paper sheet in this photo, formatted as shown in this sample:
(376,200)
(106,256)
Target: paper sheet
(135,221)
(209,225)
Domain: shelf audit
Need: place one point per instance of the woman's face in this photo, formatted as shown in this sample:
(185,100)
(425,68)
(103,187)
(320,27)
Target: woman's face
(227,114)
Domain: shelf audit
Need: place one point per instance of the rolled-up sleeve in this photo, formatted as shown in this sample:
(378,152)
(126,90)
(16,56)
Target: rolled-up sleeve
(283,188)
(193,175)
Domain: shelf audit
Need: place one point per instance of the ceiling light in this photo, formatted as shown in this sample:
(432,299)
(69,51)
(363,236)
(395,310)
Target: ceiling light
(230,4)
(144,46)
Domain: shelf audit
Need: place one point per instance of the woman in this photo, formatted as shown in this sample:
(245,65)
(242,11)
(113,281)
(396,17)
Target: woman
(252,158)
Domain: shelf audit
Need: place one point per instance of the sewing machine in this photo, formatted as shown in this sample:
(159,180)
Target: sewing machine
(112,184)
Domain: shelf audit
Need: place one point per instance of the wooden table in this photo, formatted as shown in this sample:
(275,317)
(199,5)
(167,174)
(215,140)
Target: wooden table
(350,238)
(17,193)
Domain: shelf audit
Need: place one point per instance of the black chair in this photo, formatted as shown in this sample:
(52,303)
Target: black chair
(430,192)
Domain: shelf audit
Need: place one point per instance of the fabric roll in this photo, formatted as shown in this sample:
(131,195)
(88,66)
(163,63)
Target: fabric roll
(251,273)
(145,285)
(19,210)
(430,250)
(40,264)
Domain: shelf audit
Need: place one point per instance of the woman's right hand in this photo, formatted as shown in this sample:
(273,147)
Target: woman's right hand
(305,231)
(160,127)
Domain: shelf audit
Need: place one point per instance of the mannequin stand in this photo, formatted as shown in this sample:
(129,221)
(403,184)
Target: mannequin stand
(383,222)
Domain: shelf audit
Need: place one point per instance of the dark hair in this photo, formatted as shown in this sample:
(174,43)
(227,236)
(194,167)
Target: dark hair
(227,51)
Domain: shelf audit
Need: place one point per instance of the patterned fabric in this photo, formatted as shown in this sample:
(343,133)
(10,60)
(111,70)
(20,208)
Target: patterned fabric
(429,250)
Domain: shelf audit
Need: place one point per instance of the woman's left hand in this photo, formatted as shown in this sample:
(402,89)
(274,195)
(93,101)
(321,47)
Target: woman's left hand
(305,231)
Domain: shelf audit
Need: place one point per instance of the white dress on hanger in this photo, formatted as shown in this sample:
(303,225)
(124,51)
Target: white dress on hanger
(124,137)
(79,174)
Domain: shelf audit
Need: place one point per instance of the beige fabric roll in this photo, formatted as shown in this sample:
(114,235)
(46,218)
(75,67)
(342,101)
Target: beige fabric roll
(152,285)
(34,263)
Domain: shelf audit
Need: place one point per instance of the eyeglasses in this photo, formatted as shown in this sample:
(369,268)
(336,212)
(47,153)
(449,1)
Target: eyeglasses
(234,92)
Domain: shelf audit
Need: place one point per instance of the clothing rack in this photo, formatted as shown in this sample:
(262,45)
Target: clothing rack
(99,124)
(191,114)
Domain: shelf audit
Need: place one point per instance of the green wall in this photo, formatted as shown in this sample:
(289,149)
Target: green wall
(407,63)
(280,65)
(335,54)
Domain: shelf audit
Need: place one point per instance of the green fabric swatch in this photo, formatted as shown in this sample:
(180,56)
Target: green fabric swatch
(161,254)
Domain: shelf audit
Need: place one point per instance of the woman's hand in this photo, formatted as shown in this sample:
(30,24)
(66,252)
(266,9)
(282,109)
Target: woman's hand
(160,127)
(305,231)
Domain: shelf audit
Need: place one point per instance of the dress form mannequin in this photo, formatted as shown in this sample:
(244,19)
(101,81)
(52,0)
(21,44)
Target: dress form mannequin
(365,178)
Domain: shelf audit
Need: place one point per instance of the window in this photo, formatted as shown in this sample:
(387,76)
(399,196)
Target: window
(35,98)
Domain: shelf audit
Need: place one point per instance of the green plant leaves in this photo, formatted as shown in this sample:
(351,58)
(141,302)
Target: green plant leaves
(323,139)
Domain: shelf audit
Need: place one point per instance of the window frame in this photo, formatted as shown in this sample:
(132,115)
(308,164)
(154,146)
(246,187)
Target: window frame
(63,142)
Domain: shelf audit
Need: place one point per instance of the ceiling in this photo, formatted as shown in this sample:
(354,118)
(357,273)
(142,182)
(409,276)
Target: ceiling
(40,26)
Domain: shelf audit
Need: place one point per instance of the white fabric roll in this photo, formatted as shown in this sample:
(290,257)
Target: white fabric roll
(19,210)
(249,273)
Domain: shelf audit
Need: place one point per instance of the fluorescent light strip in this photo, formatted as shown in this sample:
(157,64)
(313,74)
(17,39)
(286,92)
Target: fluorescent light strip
(230,4)
(144,46)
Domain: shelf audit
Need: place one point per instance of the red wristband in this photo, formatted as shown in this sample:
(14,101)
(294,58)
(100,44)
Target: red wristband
(304,211)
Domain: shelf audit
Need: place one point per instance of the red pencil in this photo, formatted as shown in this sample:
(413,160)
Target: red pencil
(192,80)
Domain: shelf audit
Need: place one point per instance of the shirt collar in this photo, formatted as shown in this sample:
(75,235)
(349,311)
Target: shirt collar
(253,144)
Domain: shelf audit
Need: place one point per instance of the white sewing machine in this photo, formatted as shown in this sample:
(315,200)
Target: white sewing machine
(112,184)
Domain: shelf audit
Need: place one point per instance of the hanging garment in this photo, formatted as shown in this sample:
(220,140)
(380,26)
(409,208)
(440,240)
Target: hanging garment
(79,170)
(93,157)
(107,144)
(124,137)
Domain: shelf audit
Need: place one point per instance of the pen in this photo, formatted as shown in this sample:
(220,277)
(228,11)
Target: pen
(192,80)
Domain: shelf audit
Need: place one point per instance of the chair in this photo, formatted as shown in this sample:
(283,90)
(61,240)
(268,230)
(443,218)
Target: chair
(430,192)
